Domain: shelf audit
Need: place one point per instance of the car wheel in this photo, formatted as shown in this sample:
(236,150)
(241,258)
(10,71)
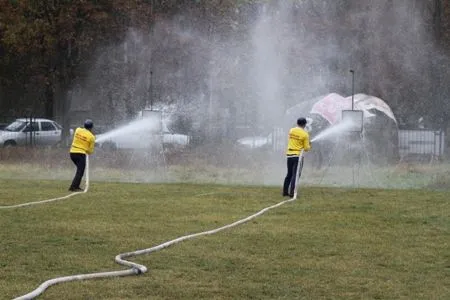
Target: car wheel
(9,144)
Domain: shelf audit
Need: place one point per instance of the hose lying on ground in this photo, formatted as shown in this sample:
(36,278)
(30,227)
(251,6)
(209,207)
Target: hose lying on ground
(55,199)
(134,268)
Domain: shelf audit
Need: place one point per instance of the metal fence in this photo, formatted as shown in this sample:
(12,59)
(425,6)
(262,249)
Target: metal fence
(404,144)
(421,144)
(30,131)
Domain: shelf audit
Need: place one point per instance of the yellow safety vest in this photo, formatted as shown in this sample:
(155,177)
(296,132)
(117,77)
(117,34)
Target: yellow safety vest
(298,140)
(83,141)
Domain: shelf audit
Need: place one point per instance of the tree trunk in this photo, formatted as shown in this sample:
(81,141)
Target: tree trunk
(49,99)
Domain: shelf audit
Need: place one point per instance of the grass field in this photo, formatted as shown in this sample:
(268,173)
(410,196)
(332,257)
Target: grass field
(329,244)
(226,166)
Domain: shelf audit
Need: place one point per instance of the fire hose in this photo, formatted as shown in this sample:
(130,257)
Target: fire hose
(134,268)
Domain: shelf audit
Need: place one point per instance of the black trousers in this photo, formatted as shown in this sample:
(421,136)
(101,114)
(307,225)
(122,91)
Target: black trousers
(289,180)
(79,160)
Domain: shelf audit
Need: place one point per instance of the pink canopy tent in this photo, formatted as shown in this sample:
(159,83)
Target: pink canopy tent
(331,106)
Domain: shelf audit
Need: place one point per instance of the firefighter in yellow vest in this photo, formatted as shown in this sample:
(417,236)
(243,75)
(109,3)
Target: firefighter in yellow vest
(83,144)
(298,141)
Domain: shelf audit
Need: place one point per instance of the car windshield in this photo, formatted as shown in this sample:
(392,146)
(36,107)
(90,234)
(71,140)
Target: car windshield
(57,125)
(16,126)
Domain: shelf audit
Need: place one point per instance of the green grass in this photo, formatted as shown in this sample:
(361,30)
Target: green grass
(224,166)
(329,244)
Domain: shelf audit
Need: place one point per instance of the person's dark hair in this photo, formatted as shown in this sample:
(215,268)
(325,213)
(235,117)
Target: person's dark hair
(88,124)
(301,122)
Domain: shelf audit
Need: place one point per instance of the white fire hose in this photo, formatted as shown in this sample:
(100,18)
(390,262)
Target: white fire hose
(298,172)
(55,199)
(135,268)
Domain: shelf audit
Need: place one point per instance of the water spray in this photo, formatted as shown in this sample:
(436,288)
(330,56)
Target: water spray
(338,129)
(135,127)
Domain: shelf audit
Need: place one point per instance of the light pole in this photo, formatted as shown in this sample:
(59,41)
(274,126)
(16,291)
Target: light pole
(353,88)
(151,90)
(353,105)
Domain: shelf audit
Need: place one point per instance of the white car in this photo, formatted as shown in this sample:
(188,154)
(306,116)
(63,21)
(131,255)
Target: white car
(143,140)
(255,142)
(35,131)
(275,140)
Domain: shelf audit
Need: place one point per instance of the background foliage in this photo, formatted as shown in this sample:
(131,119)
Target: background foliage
(124,54)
